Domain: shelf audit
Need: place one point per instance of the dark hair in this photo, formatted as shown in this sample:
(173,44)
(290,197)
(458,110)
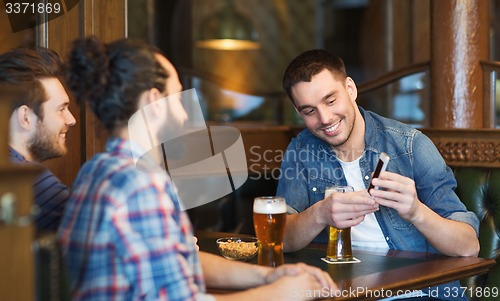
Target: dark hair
(310,63)
(21,69)
(111,77)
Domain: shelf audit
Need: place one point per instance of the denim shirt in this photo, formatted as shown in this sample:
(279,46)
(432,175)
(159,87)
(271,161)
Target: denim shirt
(309,165)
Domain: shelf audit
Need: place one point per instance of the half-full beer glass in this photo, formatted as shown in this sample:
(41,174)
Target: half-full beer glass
(269,217)
(339,241)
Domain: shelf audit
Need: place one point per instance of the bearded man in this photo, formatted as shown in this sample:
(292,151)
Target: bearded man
(39,123)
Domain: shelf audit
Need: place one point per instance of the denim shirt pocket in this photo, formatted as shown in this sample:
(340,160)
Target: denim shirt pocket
(397,221)
(317,187)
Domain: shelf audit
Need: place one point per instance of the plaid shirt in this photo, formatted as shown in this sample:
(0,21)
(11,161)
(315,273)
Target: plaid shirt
(123,235)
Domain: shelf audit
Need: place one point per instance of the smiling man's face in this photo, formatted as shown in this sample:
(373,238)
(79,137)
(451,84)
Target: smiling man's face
(327,105)
(49,139)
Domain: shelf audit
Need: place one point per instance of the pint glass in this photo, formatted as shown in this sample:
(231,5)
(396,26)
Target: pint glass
(339,240)
(269,217)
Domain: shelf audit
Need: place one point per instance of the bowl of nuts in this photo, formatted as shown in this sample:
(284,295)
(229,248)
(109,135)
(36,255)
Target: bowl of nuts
(237,248)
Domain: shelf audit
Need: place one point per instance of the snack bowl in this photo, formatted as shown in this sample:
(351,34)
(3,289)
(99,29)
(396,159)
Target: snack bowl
(237,248)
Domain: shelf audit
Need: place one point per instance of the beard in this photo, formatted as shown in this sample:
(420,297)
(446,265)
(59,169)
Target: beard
(45,144)
(350,128)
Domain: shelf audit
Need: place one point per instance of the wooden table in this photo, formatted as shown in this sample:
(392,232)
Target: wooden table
(388,273)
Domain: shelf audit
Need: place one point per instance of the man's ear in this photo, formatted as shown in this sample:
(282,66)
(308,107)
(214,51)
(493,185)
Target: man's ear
(149,97)
(25,117)
(155,94)
(351,89)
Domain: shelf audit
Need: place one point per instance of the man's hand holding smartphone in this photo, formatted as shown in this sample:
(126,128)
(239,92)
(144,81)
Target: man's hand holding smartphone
(383,161)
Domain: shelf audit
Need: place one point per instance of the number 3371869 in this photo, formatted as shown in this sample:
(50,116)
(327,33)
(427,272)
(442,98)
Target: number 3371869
(32,8)
(451,292)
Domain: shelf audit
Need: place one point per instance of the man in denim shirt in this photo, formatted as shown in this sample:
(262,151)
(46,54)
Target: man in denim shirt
(416,208)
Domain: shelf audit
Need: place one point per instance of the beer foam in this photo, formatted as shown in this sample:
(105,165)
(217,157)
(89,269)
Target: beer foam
(269,206)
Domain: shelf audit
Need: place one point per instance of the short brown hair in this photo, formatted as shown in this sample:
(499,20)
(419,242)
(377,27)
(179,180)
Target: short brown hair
(21,69)
(310,63)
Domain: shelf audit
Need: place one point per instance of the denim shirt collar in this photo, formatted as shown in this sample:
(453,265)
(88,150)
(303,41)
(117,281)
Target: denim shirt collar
(371,133)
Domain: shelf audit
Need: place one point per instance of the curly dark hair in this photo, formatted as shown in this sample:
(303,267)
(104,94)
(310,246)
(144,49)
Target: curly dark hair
(21,70)
(309,63)
(111,77)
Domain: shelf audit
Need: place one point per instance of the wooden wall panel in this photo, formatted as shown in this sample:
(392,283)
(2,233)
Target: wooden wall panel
(467,147)
(421,26)
(265,147)
(8,39)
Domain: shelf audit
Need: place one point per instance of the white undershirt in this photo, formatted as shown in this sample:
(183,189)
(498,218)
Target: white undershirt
(368,232)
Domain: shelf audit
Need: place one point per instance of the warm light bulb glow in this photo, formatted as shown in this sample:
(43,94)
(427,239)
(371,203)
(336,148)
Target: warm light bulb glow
(227,44)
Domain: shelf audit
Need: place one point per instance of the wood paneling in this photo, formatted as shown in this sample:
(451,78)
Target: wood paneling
(265,146)
(8,39)
(467,147)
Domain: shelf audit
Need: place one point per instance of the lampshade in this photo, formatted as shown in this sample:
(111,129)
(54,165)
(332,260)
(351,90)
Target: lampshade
(227,30)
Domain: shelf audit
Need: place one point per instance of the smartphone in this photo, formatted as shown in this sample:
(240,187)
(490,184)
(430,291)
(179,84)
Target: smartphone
(381,166)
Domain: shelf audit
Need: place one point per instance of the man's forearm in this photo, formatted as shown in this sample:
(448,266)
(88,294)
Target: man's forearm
(450,237)
(222,273)
(302,228)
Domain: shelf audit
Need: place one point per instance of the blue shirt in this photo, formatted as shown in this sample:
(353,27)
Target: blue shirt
(123,235)
(309,166)
(50,195)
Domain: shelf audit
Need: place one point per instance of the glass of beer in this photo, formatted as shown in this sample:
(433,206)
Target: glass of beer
(269,217)
(339,240)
